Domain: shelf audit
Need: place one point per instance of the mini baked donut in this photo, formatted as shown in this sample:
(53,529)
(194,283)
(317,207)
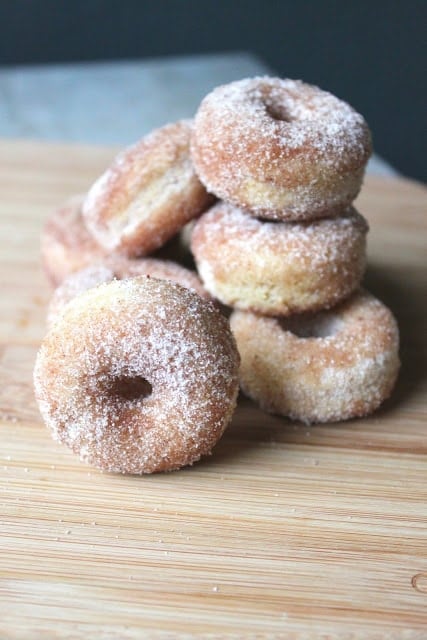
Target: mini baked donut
(75,284)
(148,193)
(330,366)
(120,268)
(281,149)
(66,245)
(278,268)
(138,376)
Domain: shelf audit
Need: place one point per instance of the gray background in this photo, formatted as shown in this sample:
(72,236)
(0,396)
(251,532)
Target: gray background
(369,53)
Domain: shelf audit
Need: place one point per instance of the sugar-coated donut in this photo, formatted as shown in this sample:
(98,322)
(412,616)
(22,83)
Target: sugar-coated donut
(120,268)
(280,148)
(278,268)
(331,366)
(66,245)
(148,193)
(138,376)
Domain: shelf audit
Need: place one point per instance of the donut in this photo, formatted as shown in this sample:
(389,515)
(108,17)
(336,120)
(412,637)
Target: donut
(282,149)
(148,193)
(329,366)
(66,245)
(138,376)
(278,268)
(120,268)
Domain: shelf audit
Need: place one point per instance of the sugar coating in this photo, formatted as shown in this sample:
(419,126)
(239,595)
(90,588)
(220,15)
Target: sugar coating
(147,194)
(278,268)
(75,284)
(66,244)
(280,148)
(122,332)
(117,267)
(329,366)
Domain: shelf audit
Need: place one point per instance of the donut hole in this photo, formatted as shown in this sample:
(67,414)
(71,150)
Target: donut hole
(131,388)
(277,111)
(320,325)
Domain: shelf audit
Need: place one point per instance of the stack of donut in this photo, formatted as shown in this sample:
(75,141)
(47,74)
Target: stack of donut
(265,175)
(285,248)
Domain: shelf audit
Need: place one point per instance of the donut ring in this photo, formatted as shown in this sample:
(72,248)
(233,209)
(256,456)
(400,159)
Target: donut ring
(147,194)
(332,366)
(278,268)
(282,149)
(138,376)
(66,245)
(120,268)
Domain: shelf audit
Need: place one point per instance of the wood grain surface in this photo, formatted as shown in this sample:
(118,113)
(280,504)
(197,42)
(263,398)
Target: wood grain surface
(286,531)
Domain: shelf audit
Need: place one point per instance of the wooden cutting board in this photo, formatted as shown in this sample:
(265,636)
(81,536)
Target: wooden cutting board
(286,531)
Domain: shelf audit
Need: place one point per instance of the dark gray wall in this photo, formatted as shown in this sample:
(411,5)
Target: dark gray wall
(369,53)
